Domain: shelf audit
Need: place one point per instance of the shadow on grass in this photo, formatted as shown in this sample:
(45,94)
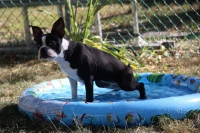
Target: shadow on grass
(11,120)
(16,58)
(160,22)
(180,20)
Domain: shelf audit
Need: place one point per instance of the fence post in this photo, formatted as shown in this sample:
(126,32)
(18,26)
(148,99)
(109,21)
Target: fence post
(26,27)
(67,18)
(135,21)
(60,11)
(139,41)
(98,24)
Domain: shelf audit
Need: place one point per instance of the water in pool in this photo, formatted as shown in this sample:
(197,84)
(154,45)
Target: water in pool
(153,91)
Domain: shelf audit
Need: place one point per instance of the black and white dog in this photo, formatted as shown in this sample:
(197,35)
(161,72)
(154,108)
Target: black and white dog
(83,63)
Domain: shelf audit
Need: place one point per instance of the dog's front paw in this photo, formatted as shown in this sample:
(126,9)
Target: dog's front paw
(143,97)
(74,100)
(89,101)
(142,91)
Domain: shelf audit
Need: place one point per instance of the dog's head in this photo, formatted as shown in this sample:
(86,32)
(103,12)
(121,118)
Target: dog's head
(49,45)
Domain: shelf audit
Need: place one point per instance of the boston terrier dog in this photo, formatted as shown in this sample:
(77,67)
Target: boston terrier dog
(84,63)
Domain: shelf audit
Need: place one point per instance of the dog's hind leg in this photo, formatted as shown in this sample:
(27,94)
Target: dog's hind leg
(131,86)
(128,83)
(140,87)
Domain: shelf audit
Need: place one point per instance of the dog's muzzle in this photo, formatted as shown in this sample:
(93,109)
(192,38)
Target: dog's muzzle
(46,53)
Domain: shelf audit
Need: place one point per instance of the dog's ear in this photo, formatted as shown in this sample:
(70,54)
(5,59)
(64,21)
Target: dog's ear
(58,28)
(37,32)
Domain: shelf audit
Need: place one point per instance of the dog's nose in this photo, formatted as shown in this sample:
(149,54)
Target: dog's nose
(46,52)
(44,49)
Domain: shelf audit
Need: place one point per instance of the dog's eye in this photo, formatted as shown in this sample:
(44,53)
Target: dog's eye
(52,43)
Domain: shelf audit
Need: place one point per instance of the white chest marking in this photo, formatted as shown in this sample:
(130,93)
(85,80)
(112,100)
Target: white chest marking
(65,44)
(65,65)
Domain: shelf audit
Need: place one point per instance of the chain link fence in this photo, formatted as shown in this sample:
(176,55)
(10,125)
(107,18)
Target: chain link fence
(123,22)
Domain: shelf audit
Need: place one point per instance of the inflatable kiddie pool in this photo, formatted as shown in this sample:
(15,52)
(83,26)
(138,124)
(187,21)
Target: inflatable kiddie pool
(168,94)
